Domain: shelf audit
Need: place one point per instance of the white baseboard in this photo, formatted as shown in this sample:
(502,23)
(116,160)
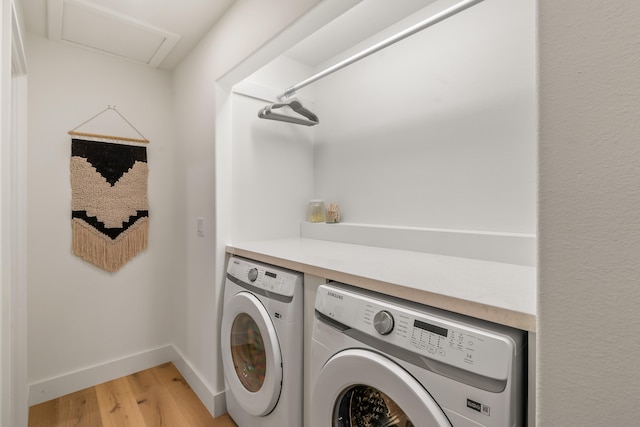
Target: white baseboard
(214,402)
(64,384)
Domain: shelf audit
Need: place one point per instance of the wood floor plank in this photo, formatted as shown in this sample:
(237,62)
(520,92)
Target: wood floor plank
(44,414)
(75,409)
(156,397)
(80,409)
(224,421)
(154,400)
(118,407)
(194,413)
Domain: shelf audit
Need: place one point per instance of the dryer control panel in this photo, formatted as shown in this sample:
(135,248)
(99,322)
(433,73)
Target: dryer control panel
(265,277)
(455,340)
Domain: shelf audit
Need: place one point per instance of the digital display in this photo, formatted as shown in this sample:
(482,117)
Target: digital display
(431,328)
(270,274)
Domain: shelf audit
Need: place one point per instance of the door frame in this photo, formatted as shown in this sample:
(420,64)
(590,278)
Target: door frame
(14,409)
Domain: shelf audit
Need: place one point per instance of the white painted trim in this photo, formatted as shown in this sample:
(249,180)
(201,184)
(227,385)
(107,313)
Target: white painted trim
(53,388)
(320,15)
(215,403)
(14,225)
(18,220)
(511,248)
(262,93)
(13,374)
(255,91)
(5,288)
(18,57)
(59,386)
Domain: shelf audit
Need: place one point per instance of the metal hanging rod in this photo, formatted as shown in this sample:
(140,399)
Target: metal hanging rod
(447,13)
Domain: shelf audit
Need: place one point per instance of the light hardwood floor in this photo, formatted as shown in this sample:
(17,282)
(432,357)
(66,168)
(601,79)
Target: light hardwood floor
(156,397)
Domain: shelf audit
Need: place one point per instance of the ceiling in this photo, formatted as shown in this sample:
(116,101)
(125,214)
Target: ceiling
(355,25)
(139,30)
(161,33)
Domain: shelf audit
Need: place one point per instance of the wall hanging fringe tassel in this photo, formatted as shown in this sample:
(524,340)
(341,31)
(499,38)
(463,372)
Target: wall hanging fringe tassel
(110,207)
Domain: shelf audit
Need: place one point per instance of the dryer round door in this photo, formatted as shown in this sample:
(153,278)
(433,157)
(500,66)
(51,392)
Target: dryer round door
(360,388)
(251,354)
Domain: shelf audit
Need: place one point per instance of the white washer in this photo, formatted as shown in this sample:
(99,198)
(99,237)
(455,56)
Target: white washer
(381,361)
(262,344)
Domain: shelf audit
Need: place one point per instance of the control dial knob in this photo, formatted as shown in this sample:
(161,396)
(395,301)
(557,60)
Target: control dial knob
(253,274)
(383,322)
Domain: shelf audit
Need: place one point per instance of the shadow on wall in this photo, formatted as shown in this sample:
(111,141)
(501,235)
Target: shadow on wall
(472,169)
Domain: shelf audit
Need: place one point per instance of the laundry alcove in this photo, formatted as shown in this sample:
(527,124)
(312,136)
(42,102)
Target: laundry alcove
(437,131)
(428,145)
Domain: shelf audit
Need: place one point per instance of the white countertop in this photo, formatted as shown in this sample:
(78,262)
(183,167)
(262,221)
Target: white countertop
(498,292)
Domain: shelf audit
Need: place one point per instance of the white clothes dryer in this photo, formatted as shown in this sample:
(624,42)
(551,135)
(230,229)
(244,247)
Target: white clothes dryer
(261,344)
(378,361)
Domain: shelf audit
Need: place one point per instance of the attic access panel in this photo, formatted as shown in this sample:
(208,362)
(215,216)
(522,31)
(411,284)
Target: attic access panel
(85,25)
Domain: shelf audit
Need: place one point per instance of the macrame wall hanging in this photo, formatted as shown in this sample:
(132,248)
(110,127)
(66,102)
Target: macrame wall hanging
(110,207)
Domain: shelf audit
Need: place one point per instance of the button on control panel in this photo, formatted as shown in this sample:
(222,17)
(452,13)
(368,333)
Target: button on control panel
(439,341)
(383,322)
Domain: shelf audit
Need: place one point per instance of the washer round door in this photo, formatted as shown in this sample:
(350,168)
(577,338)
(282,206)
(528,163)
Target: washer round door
(360,388)
(251,354)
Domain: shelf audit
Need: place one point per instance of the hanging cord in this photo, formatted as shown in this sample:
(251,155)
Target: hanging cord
(119,138)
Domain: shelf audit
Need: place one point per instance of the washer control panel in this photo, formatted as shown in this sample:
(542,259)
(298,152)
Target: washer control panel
(420,329)
(271,279)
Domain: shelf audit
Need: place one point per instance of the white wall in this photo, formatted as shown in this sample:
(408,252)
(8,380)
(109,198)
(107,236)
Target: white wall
(438,130)
(81,316)
(588,208)
(272,174)
(589,215)
(85,320)
(203,161)
(272,164)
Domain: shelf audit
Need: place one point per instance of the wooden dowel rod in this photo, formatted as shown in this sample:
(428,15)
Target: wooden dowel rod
(118,138)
